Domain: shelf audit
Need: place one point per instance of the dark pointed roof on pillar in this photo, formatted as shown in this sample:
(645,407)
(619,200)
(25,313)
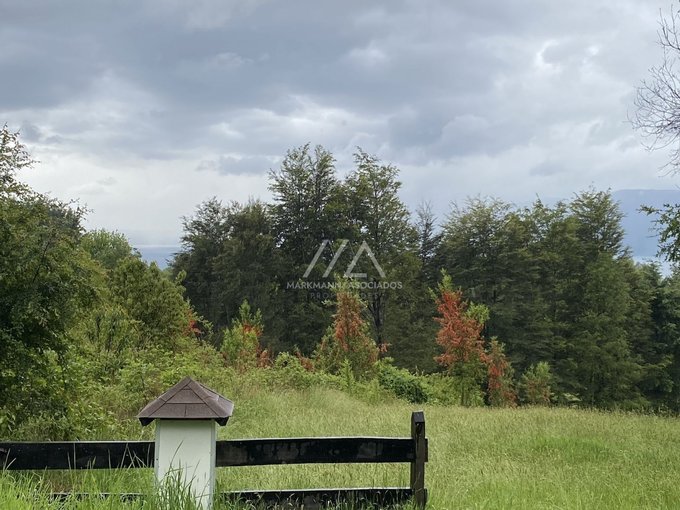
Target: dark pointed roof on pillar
(188,400)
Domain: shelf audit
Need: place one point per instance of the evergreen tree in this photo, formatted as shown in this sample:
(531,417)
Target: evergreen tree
(248,267)
(47,281)
(648,323)
(308,209)
(202,242)
(429,239)
(381,221)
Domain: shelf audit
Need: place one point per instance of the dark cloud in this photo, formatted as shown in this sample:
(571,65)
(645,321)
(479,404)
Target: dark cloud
(472,94)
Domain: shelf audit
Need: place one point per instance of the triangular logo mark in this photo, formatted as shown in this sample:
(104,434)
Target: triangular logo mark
(363,248)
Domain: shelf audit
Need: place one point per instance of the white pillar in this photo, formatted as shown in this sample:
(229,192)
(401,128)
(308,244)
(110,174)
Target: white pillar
(185,450)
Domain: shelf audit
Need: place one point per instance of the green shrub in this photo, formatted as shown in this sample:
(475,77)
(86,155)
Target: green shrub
(402,383)
(443,389)
(241,344)
(535,384)
(289,373)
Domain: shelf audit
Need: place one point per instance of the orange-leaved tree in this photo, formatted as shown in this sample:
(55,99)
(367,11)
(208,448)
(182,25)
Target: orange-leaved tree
(460,336)
(500,389)
(347,340)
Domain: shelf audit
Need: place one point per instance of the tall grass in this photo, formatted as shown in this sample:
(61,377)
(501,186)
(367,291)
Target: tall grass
(479,458)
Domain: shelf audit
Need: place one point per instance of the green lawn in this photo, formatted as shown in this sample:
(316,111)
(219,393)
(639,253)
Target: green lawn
(479,457)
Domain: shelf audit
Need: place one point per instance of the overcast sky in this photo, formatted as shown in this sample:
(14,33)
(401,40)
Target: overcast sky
(143,109)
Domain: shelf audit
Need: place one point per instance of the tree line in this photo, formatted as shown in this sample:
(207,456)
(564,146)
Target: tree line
(559,284)
(544,298)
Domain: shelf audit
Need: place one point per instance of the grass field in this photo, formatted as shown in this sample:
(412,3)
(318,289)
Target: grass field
(479,458)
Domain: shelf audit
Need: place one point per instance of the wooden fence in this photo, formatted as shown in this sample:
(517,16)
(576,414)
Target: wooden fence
(250,452)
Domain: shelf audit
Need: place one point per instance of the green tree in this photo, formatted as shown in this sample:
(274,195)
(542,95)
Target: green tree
(308,209)
(598,364)
(560,288)
(599,224)
(667,320)
(202,243)
(107,248)
(382,222)
(429,239)
(248,267)
(154,303)
(46,282)
(13,157)
(497,255)
(409,328)
(650,322)
(535,384)
(306,202)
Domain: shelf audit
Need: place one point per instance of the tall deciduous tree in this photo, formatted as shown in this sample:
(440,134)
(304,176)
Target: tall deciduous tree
(305,191)
(597,362)
(491,252)
(429,239)
(536,271)
(657,101)
(248,268)
(153,301)
(202,243)
(657,117)
(651,322)
(382,221)
(107,248)
(308,210)
(46,281)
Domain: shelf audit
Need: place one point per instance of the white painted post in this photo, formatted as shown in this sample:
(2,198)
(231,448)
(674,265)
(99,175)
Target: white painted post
(185,452)
(186,420)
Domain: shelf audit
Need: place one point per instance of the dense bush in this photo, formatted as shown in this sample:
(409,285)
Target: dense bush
(535,384)
(241,344)
(500,391)
(288,372)
(402,383)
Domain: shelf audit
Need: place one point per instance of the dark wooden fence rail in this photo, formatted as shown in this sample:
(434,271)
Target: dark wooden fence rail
(249,452)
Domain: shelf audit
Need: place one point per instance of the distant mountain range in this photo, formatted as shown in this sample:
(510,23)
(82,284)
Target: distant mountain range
(161,255)
(640,235)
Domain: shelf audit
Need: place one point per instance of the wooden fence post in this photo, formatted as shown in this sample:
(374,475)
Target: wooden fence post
(418,464)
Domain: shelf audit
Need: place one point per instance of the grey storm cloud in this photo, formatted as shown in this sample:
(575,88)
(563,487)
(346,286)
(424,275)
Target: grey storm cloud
(232,165)
(470,94)
(199,66)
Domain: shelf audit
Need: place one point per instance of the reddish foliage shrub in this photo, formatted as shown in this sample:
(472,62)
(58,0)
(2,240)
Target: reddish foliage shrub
(500,391)
(347,339)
